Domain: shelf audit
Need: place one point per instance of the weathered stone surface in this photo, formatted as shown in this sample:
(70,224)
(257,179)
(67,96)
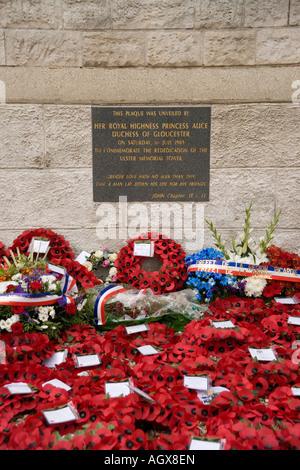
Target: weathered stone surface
(22,138)
(225,48)
(232,190)
(47,198)
(295,12)
(288,197)
(220,14)
(263,13)
(145,14)
(2,48)
(68,140)
(113,49)
(153,85)
(278,46)
(37,47)
(174,48)
(90,14)
(30,14)
(256,136)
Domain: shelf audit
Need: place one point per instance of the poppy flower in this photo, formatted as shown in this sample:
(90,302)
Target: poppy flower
(17,328)
(36,286)
(63,444)
(132,439)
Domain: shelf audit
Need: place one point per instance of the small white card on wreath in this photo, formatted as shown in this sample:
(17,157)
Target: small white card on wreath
(57,358)
(196,382)
(61,414)
(143,248)
(39,245)
(287,300)
(21,388)
(117,389)
(87,360)
(82,257)
(223,324)
(148,350)
(293,320)
(263,354)
(199,443)
(136,328)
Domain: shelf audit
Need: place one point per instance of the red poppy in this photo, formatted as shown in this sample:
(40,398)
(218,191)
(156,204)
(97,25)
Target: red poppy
(36,286)
(71,308)
(11,288)
(17,328)
(63,444)
(132,439)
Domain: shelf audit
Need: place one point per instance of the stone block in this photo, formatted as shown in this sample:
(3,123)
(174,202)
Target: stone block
(113,49)
(228,48)
(218,14)
(47,198)
(264,13)
(255,136)
(90,14)
(22,138)
(154,85)
(294,13)
(68,136)
(2,48)
(288,197)
(155,14)
(38,47)
(175,49)
(30,14)
(278,46)
(233,189)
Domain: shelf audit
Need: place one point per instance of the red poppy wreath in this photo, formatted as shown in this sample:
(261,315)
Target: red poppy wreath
(169,278)
(59,253)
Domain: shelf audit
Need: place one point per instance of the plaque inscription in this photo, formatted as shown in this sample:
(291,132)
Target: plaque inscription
(157,154)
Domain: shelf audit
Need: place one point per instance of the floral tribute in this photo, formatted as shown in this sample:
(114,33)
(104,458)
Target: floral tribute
(104,259)
(210,285)
(247,402)
(172,274)
(59,252)
(31,297)
(283,259)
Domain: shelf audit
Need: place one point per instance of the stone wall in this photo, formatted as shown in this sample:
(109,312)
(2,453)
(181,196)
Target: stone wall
(60,57)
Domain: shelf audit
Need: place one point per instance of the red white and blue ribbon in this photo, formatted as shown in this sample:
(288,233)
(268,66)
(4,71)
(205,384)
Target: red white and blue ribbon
(68,285)
(246,270)
(105,294)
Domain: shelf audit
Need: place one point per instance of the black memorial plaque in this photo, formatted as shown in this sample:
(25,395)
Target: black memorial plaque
(151,153)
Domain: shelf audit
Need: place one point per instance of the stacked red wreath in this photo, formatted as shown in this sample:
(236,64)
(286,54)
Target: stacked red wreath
(172,274)
(60,253)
